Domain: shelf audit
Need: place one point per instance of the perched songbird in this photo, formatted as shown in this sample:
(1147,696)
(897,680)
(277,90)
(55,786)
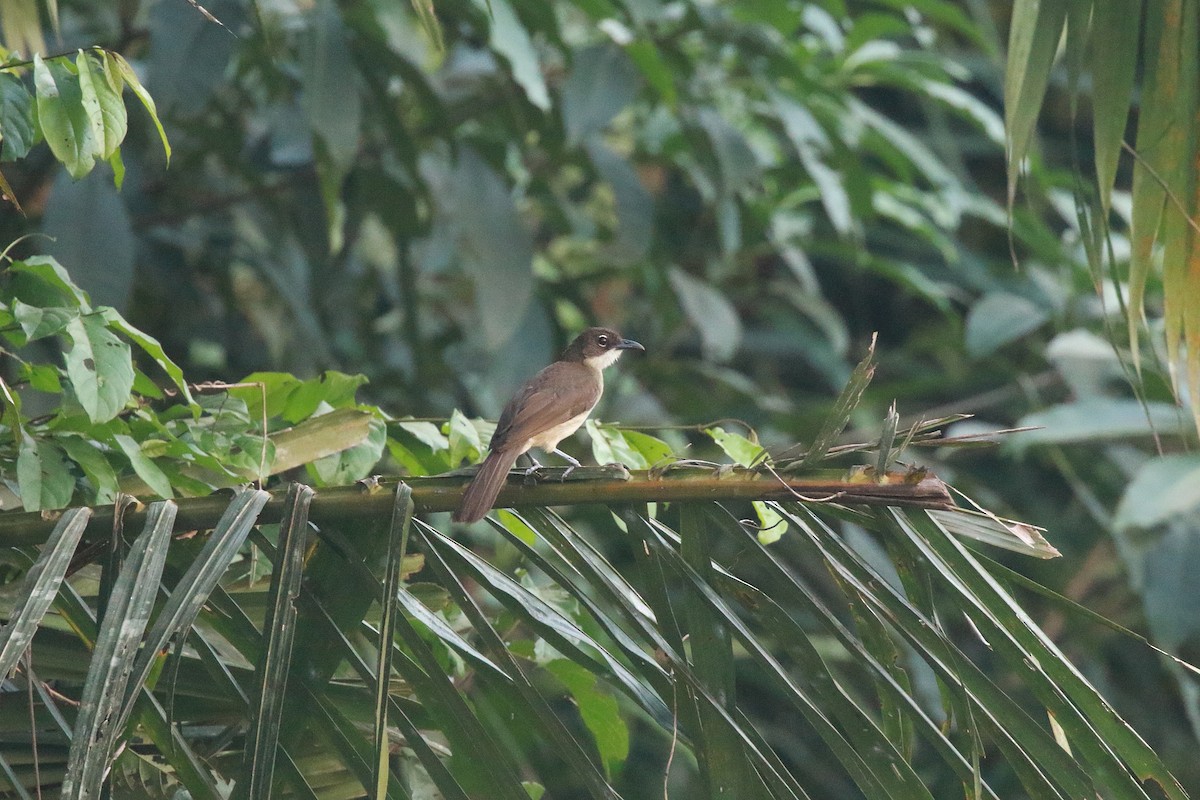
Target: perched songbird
(547,410)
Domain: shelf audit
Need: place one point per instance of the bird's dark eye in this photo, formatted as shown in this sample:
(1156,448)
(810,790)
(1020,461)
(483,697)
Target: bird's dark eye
(602,340)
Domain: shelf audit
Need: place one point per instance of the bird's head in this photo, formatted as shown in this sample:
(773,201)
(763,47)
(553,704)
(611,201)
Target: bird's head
(599,347)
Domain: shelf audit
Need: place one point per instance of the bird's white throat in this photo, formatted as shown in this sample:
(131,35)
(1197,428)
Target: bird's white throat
(605,359)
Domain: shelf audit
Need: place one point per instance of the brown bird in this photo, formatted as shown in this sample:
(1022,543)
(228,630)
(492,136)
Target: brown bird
(548,409)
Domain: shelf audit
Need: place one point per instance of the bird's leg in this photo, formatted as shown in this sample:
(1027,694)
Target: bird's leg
(533,470)
(574,462)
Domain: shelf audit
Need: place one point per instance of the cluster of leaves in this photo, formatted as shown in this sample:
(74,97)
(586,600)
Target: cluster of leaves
(83,422)
(1109,45)
(77,108)
(506,682)
(717,170)
(108,427)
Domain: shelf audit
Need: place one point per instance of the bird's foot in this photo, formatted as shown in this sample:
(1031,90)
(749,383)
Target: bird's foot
(533,474)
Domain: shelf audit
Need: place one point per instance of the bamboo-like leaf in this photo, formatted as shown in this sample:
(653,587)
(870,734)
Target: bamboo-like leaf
(402,514)
(484,766)
(787,587)
(13,779)
(839,416)
(334,727)
(563,633)
(129,608)
(1098,736)
(445,782)
(887,773)
(194,588)
(477,756)
(1161,148)
(1011,728)
(711,650)
(887,439)
(427,17)
(527,697)
(276,656)
(990,529)
(1113,59)
(586,568)
(778,779)
(1034,32)
(40,587)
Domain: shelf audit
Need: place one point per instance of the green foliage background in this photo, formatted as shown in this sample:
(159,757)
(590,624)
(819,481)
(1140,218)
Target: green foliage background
(751,189)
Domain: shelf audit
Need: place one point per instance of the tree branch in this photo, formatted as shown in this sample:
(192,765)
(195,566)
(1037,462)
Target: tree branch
(586,485)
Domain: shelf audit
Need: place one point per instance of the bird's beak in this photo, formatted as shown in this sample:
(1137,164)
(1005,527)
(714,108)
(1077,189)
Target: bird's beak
(630,344)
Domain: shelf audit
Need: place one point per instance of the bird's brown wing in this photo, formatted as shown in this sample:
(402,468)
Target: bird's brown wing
(560,392)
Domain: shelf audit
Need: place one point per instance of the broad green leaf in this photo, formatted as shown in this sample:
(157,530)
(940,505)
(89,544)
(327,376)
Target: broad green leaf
(772,526)
(52,274)
(655,451)
(478,209)
(811,144)
(62,117)
(275,390)
(151,347)
(130,77)
(711,313)
(100,368)
(94,463)
(40,586)
(334,388)
(999,318)
(145,468)
(37,322)
(17,130)
(737,162)
(601,83)
(742,450)
(509,38)
(609,446)
(107,86)
(43,475)
(333,109)
(425,432)
(355,462)
(599,710)
(1163,488)
(654,68)
(90,102)
(464,439)
(42,377)
(1096,419)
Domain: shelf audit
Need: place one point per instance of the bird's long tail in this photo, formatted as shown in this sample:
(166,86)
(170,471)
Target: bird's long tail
(481,492)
